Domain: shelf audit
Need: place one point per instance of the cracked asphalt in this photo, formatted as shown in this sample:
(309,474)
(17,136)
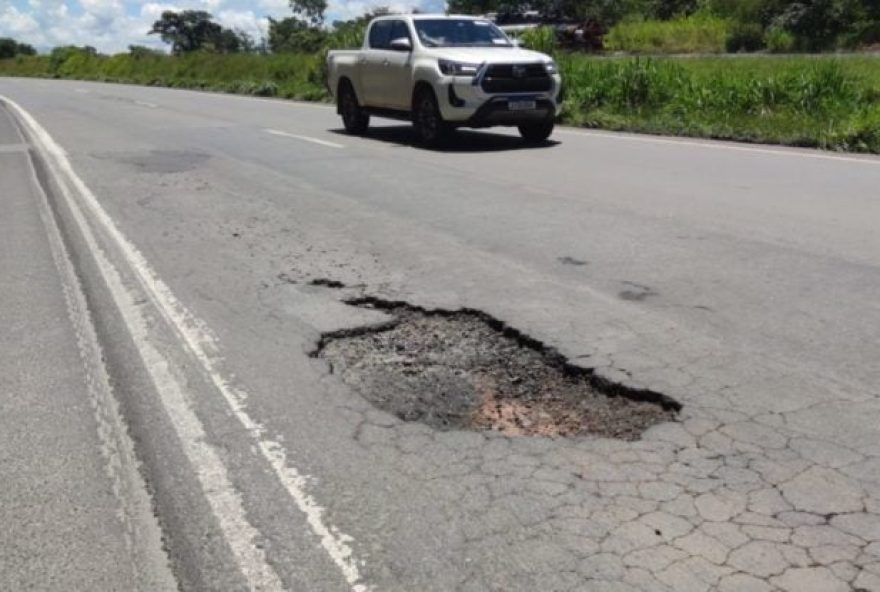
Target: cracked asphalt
(740,281)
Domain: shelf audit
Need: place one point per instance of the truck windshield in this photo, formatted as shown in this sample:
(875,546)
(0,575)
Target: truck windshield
(459,33)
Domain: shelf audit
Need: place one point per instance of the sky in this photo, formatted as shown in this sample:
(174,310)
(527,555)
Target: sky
(112,25)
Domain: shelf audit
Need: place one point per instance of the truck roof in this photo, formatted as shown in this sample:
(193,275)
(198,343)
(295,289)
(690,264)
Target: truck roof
(422,16)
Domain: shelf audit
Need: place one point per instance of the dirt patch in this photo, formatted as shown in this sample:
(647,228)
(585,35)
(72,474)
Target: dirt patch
(467,370)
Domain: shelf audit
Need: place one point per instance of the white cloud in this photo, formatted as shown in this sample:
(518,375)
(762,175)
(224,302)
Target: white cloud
(103,9)
(18,23)
(113,25)
(244,20)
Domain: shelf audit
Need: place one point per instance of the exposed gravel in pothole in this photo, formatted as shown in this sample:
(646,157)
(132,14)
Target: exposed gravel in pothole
(465,370)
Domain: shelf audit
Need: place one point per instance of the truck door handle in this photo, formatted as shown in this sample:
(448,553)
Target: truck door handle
(386,63)
(362,60)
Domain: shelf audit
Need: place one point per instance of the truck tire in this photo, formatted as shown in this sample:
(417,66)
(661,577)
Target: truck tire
(355,120)
(428,122)
(536,133)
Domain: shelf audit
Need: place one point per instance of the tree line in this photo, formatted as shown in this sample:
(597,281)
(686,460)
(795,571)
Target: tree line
(814,25)
(811,25)
(10,48)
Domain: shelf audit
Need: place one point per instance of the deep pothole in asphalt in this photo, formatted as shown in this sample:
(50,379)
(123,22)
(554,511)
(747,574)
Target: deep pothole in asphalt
(467,370)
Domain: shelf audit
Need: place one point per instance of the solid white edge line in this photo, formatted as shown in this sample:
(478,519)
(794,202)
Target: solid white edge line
(203,344)
(143,535)
(224,500)
(275,132)
(716,145)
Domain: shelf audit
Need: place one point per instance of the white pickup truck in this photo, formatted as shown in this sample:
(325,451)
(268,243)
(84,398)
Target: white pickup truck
(443,72)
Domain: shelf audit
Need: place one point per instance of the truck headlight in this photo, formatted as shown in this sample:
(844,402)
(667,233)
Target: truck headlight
(551,67)
(451,68)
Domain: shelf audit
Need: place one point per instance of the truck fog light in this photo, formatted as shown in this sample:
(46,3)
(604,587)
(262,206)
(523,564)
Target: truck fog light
(454,100)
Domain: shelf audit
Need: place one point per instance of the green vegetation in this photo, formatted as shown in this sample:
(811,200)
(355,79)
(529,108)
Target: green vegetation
(827,102)
(706,26)
(831,103)
(294,76)
(9,48)
(688,34)
(822,101)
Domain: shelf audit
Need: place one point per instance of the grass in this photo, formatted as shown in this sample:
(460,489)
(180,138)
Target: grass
(827,102)
(817,101)
(292,76)
(691,34)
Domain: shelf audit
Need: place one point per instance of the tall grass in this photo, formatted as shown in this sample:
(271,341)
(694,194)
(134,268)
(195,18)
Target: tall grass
(296,76)
(696,33)
(828,102)
(541,39)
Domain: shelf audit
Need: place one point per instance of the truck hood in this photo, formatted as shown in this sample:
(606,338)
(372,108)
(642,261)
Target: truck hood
(493,55)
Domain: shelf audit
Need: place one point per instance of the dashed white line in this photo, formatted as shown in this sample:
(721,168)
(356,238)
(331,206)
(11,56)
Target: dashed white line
(275,132)
(716,145)
(203,344)
(146,104)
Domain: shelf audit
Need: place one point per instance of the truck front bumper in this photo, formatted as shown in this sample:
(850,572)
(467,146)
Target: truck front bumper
(465,104)
(495,111)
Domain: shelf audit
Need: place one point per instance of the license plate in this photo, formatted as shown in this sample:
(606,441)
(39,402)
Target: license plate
(520,105)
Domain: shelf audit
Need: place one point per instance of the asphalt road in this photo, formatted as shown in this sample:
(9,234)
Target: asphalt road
(163,423)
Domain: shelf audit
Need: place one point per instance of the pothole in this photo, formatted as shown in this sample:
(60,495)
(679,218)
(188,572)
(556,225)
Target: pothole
(467,370)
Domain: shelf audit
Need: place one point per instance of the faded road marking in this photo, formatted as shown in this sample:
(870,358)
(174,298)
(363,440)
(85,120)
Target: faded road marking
(203,344)
(303,138)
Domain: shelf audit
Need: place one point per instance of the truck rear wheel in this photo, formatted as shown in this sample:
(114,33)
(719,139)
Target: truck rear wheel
(427,120)
(536,133)
(355,120)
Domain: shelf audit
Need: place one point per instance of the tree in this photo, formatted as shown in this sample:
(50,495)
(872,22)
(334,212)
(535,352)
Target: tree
(246,42)
(141,51)
(194,30)
(10,48)
(312,10)
(294,35)
(187,31)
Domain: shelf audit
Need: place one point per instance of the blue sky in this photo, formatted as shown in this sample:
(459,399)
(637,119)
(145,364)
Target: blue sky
(113,25)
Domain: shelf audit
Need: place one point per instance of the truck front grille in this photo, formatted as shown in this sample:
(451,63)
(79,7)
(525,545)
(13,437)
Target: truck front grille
(516,78)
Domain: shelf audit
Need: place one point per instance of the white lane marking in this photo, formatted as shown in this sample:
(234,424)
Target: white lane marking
(81,91)
(203,344)
(719,145)
(143,536)
(146,104)
(224,499)
(275,132)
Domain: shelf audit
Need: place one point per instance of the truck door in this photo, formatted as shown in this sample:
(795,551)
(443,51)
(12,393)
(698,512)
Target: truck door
(398,69)
(372,64)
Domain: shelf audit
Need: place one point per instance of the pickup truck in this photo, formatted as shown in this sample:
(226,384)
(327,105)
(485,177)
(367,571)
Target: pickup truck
(444,72)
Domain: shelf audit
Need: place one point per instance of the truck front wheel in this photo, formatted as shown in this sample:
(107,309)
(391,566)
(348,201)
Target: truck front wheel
(354,119)
(427,120)
(536,133)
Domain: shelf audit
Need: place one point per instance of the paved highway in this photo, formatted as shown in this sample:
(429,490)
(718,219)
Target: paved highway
(162,424)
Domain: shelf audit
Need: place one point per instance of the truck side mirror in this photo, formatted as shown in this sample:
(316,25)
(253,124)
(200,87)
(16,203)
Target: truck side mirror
(401,44)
